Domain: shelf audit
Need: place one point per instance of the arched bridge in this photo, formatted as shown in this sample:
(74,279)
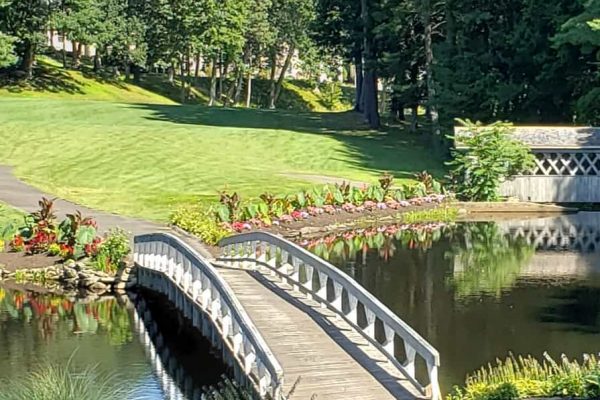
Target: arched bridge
(289,322)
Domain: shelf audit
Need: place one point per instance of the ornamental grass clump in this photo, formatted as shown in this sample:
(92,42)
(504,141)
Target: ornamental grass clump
(526,377)
(52,382)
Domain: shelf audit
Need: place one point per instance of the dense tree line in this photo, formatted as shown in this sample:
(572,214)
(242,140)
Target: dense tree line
(527,61)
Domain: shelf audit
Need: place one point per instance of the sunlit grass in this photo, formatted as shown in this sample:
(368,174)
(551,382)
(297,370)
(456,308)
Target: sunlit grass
(147,160)
(9,215)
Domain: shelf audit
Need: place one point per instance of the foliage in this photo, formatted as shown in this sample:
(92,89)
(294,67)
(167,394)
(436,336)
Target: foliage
(7,48)
(331,95)
(318,200)
(111,251)
(491,156)
(227,390)
(438,214)
(526,377)
(201,222)
(78,235)
(385,239)
(490,260)
(50,382)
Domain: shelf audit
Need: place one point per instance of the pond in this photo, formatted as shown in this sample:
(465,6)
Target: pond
(478,291)
(108,332)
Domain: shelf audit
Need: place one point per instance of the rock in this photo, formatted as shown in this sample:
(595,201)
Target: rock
(89,282)
(98,287)
(121,286)
(70,264)
(109,280)
(69,273)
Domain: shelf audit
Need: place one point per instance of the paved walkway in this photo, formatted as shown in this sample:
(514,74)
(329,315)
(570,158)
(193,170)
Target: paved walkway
(20,195)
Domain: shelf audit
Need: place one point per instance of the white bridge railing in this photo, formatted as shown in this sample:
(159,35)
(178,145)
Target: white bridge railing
(205,297)
(339,292)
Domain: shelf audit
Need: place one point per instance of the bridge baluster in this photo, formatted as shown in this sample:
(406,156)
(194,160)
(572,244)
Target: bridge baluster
(337,296)
(295,275)
(369,329)
(322,292)
(309,279)
(433,388)
(409,364)
(388,344)
(352,314)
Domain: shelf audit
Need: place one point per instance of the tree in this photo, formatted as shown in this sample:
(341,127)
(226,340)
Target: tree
(26,20)
(7,50)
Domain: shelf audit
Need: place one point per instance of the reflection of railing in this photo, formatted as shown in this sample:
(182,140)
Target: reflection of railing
(159,356)
(199,291)
(328,285)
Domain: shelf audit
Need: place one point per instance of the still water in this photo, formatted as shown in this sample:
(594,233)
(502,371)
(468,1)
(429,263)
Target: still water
(42,328)
(478,291)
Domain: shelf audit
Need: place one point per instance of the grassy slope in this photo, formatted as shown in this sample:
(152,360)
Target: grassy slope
(53,82)
(145,160)
(9,215)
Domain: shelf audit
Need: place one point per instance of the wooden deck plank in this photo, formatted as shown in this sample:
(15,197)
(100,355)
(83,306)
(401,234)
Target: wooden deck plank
(318,351)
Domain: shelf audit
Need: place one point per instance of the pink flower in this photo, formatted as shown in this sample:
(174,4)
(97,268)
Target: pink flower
(286,218)
(381,206)
(237,226)
(329,209)
(304,214)
(297,215)
(349,207)
(369,205)
(404,203)
(247,226)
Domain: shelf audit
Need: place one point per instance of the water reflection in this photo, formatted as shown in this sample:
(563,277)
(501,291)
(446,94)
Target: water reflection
(478,291)
(155,351)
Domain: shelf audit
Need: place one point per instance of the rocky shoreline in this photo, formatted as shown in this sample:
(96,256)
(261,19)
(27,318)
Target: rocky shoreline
(74,276)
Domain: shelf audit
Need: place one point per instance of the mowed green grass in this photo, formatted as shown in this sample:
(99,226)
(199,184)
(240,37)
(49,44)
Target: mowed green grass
(145,160)
(9,215)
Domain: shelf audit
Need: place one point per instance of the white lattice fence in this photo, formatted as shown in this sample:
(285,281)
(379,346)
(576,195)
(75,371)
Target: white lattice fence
(566,164)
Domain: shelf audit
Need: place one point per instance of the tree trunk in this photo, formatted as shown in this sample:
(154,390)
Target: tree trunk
(224,66)
(370,79)
(431,108)
(414,121)
(28,59)
(213,83)
(239,85)
(97,61)
(76,55)
(358,83)
(286,66)
(171,73)
(197,69)
(183,80)
(249,90)
(273,89)
(64,50)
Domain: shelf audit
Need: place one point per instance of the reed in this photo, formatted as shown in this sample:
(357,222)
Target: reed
(524,377)
(52,382)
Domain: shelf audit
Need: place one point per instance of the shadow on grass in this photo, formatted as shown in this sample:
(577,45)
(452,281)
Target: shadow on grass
(46,79)
(390,150)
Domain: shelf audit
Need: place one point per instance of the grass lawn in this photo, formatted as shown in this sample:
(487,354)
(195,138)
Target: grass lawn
(147,159)
(9,215)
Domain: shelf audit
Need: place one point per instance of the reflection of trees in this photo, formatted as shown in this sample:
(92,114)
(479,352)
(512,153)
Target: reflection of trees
(348,246)
(488,260)
(48,310)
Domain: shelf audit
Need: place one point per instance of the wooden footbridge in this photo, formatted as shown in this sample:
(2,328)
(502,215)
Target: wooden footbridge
(289,324)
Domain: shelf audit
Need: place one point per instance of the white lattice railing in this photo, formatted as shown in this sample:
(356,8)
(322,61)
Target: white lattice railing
(570,163)
(197,279)
(342,294)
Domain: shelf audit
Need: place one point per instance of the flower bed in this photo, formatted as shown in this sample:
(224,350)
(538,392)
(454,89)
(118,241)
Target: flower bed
(72,239)
(232,215)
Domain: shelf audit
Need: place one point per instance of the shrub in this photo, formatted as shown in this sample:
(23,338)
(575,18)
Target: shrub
(525,377)
(201,222)
(331,95)
(491,157)
(112,251)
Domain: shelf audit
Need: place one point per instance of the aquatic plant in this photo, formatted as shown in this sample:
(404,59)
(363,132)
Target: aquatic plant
(52,382)
(525,377)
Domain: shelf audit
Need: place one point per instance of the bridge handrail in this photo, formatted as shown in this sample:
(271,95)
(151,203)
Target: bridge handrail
(196,276)
(244,247)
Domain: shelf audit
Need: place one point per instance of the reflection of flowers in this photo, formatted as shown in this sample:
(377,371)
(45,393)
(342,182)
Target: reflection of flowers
(48,310)
(347,245)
